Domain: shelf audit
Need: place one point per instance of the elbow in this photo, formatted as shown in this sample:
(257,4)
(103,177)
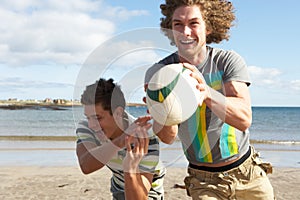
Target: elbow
(246,121)
(167,134)
(168,140)
(244,126)
(84,169)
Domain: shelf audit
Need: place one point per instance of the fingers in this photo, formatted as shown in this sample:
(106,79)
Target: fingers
(189,66)
(145,87)
(201,86)
(141,142)
(128,140)
(198,76)
(145,141)
(137,134)
(142,120)
(144,99)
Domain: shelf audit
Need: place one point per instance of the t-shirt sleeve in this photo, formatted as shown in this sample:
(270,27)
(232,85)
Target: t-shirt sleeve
(235,68)
(172,58)
(85,134)
(151,71)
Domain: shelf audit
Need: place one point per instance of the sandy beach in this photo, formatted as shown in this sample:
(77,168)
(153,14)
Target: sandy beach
(39,170)
(67,182)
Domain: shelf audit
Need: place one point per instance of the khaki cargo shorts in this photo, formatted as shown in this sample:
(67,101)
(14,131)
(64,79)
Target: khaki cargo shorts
(248,181)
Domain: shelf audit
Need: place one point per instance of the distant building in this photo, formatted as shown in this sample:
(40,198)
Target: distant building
(48,100)
(13,99)
(59,101)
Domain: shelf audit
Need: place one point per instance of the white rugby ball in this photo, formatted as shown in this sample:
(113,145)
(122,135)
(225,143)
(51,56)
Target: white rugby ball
(171,95)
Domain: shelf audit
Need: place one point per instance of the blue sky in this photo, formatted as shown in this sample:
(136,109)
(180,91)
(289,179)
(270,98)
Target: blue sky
(46,46)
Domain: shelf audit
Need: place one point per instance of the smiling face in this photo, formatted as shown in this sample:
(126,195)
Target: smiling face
(189,33)
(100,119)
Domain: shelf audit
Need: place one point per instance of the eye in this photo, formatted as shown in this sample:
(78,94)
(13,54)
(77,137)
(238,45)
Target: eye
(98,118)
(94,118)
(176,24)
(194,23)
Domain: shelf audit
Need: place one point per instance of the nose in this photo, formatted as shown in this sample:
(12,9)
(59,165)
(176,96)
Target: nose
(187,30)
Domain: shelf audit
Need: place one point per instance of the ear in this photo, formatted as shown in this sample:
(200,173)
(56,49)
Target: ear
(208,31)
(118,113)
(118,116)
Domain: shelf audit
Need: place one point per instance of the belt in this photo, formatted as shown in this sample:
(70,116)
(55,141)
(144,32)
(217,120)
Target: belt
(223,168)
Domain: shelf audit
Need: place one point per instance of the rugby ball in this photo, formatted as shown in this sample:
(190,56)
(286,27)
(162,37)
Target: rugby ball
(171,95)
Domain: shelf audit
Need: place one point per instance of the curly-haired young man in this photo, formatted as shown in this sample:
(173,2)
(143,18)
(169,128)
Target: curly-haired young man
(215,139)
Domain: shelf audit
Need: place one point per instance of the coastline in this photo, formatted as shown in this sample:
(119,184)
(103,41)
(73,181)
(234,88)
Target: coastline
(40,105)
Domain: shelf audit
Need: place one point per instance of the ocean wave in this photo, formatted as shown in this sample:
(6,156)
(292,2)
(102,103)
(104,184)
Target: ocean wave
(73,138)
(283,142)
(37,138)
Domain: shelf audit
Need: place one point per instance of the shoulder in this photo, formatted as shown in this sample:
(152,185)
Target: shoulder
(85,134)
(172,58)
(82,127)
(231,63)
(218,53)
(226,57)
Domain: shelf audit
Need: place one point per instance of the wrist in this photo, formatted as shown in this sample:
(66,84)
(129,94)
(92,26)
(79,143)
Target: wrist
(130,171)
(115,145)
(119,141)
(208,95)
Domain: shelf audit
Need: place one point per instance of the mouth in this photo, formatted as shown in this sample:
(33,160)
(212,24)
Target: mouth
(187,41)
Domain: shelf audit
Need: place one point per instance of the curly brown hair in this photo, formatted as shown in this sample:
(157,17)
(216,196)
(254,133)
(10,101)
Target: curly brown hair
(217,14)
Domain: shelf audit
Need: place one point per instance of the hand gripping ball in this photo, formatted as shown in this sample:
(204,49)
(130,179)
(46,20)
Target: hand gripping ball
(172,96)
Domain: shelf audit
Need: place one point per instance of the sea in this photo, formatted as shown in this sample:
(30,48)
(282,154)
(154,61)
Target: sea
(46,137)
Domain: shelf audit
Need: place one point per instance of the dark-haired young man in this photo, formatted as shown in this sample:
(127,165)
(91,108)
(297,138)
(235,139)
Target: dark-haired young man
(111,137)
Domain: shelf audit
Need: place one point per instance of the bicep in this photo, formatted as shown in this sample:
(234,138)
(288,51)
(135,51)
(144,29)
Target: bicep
(88,162)
(237,89)
(167,134)
(83,148)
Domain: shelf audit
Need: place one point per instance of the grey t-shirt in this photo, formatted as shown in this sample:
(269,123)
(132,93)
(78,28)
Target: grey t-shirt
(206,138)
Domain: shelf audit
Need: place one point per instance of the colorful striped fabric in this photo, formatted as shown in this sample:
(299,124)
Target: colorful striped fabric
(228,143)
(200,140)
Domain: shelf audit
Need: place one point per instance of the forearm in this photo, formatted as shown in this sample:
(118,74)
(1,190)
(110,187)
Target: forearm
(136,186)
(233,110)
(95,158)
(166,134)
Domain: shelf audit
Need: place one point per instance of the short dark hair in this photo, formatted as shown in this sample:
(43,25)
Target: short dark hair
(104,92)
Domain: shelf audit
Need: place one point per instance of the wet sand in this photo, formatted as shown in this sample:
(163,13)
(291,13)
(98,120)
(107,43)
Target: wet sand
(67,182)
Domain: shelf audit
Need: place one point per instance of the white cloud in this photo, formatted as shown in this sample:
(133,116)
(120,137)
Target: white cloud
(34,32)
(123,14)
(272,78)
(264,76)
(295,84)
